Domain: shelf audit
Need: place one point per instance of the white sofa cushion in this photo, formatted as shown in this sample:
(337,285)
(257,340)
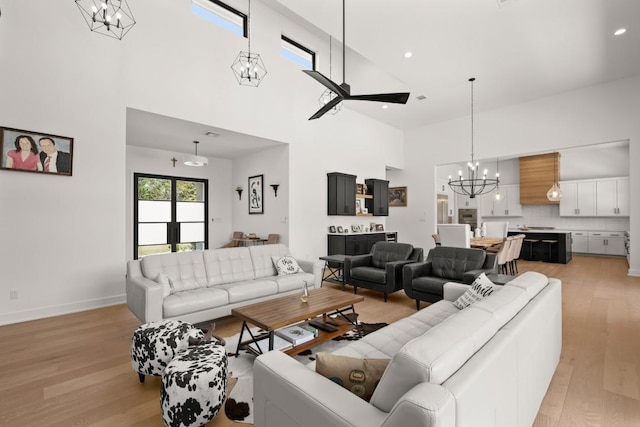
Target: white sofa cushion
(228,265)
(293,281)
(261,258)
(185,270)
(532,282)
(244,291)
(192,301)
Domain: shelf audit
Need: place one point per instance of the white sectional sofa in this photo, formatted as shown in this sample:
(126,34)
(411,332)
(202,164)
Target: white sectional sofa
(489,364)
(203,285)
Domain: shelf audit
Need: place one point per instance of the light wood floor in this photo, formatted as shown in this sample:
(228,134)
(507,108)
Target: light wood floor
(75,370)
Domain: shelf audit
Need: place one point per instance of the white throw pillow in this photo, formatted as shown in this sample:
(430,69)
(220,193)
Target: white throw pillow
(163,280)
(480,288)
(286,265)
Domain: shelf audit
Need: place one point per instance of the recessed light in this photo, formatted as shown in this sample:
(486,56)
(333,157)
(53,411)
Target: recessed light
(212,134)
(421,97)
(385,107)
(620,31)
(408,54)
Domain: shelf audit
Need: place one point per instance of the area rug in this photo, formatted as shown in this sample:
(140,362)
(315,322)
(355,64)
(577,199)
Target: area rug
(239,404)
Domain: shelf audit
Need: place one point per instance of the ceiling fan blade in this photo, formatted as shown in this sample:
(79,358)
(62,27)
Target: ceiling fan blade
(326,108)
(392,98)
(324,81)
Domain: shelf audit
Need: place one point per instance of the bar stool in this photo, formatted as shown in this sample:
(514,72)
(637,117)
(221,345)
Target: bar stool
(550,243)
(531,242)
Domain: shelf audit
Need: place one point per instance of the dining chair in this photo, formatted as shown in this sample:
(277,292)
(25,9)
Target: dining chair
(516,248)
(504,255)
(234,242)
(436,239)
(455,235)
(272,239)
(497,228)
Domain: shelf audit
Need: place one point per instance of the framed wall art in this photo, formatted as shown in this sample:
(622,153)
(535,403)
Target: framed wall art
(397,196)
(256,194)
(28,151)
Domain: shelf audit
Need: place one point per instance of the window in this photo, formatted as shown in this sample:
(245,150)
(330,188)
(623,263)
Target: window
(297,53)
(169,214)
(222,15)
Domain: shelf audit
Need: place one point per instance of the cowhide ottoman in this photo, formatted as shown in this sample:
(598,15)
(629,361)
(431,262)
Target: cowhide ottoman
(194,385)
(155,344)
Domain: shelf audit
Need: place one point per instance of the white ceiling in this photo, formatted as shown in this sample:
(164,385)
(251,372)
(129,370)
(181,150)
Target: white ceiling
(518,50)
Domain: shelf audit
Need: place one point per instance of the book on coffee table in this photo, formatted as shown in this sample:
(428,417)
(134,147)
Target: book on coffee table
(262,345)
(295,334)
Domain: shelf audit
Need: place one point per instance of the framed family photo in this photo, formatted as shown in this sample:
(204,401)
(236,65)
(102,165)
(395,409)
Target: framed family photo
(256,194)
(397,196)
(29,151)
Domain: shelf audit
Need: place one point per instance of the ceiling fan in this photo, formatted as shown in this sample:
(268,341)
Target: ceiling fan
(343,91)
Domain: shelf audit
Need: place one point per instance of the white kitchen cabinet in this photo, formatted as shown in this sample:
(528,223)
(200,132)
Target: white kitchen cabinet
(466,202)
(580,242)
(578,198)
(606,243)
(509,206)
(612,197)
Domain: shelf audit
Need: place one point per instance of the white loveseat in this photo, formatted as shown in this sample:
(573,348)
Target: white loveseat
(203,285)
(489,364)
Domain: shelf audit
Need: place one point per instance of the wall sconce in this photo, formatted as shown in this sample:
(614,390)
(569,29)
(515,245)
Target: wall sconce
(239,191)
(275,189)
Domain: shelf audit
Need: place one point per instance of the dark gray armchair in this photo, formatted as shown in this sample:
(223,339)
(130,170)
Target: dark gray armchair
(423,281)
(381,270)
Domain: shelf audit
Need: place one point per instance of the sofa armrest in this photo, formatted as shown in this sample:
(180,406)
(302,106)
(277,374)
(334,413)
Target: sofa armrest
(427,405)
(451,291)
(144,296)
(355,261)
(469,276)
(411,271)
(291,394)
(313,267)
(393,271)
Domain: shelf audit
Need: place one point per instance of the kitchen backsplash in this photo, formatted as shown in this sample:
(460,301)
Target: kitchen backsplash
(549,216)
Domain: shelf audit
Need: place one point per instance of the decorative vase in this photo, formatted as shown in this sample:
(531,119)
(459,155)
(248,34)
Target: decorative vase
(304,295)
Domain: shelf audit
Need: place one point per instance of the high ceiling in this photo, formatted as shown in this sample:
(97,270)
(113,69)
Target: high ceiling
(518,50)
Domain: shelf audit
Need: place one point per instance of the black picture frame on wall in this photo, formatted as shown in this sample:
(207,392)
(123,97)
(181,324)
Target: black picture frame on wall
(41,148)
(256,194)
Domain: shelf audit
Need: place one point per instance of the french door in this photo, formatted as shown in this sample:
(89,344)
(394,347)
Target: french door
(169,215)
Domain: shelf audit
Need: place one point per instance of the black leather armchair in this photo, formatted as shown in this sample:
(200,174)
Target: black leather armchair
(423,281)
(381,270)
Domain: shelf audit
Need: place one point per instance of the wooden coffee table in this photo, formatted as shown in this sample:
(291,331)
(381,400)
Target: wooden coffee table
(287,310)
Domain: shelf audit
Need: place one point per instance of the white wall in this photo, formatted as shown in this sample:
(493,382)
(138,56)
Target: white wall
(597,114)
(67,239)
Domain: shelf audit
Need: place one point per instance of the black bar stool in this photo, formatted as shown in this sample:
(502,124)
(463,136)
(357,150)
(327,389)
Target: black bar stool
(531,242)
(550,243)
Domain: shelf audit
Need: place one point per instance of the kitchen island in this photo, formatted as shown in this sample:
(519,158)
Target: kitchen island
(559,252)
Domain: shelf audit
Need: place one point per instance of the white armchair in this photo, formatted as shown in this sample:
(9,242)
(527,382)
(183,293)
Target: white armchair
(455,235)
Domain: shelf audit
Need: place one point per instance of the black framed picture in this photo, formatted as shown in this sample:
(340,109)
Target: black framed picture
(332,229)
(256,194)
(28,151)
(340,229)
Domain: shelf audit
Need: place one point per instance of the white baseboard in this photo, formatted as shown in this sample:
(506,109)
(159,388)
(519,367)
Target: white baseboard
(58,310)
(635,273)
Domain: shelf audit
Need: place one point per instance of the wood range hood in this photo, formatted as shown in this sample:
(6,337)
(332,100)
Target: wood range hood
(537,175)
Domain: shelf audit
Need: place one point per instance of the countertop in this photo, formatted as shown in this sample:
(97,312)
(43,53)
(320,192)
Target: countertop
(561,231)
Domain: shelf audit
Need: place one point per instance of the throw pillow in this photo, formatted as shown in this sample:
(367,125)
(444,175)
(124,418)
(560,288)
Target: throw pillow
(163,280)
(359,376)
(286,265)
(480,288)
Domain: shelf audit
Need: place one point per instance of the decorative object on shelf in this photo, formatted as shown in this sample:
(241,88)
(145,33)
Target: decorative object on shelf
(332,229)
(379,227)
(248,67)
(498,197)
(239,191)
(358,206)
(473,185)
(555,194)
(275,189)
(256,194)
(328,95)
(359,188)
(27,151)
(365,211)
(339,229)
(111,18)
(397,196)
(343,91)
(197,161)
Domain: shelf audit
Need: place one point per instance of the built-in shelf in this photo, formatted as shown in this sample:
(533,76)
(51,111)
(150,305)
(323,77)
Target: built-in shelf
(363,214)
(364,196)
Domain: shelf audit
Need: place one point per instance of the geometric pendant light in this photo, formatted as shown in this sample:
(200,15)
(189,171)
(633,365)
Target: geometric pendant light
(112,18)
(248,67)
(328,95)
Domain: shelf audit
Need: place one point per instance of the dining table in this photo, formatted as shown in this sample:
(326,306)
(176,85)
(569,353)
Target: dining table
(248,241)
(485,242)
